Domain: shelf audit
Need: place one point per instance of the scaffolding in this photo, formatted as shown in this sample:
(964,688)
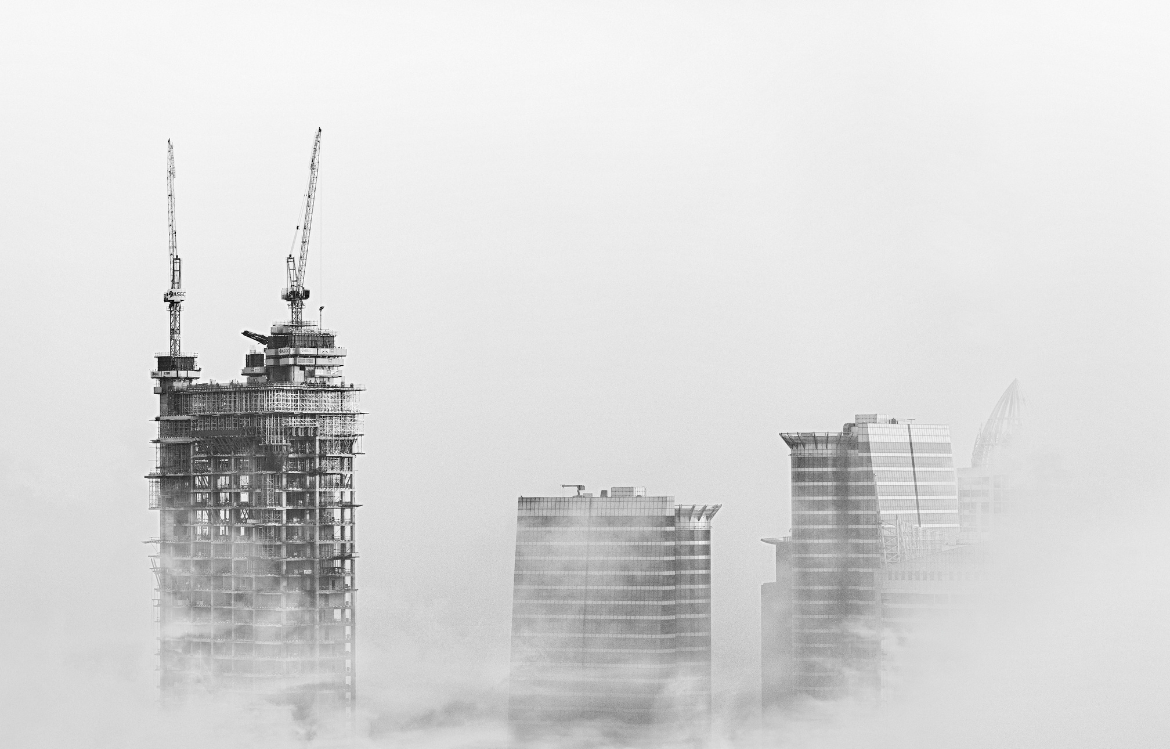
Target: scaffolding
(256,565)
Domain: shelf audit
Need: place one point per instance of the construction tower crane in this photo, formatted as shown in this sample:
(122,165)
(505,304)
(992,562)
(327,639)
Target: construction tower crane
(174,296)
(296,293)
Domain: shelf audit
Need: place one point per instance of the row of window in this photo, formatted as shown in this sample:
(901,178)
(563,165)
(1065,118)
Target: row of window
(856,491)
(639,522)
(245,600)
(290,516)
(276,499)
(176,553)
(177,458)
(605,579)
(259,667)
(930,575)
(632,550)
(272,481)
(630,640)
(259,534)
(572,565)
(332,445)
(283,625)
(937,449)
(229,648)
(603,609)
(320,633)
(864,476)
(219,567)
(582,533)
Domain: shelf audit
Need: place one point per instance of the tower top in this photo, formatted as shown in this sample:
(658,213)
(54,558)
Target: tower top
(1004,423)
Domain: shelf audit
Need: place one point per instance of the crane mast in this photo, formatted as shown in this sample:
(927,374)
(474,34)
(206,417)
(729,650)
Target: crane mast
(296,293)
(174,296)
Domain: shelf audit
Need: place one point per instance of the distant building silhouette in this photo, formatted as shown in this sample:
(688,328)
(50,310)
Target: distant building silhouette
(985,488)
(611,616)
(776,672)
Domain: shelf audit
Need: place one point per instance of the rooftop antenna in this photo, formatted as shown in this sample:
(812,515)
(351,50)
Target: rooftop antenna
(173,296)
(296,293)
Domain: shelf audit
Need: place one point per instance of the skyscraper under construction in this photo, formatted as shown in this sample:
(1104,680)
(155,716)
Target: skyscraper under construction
(254,484)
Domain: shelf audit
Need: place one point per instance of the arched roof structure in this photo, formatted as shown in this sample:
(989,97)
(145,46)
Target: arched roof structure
(1001,426)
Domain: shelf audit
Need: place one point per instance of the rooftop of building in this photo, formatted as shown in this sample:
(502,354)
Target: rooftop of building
(861,424)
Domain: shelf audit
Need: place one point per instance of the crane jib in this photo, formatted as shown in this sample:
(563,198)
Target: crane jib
(174,296)
(297,293)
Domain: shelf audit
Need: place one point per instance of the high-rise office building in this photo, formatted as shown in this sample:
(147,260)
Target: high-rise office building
(611,616)
(879,492)
(254,484)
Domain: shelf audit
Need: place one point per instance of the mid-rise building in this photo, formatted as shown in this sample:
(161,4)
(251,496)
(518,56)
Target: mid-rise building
(611,615)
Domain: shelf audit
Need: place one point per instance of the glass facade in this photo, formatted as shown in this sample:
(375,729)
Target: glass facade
(611,617)
(879,492)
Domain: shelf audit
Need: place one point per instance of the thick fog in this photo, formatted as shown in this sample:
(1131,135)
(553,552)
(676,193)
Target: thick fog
(607,244)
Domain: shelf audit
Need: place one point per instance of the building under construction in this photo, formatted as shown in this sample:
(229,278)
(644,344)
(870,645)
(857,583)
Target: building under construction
(254,484)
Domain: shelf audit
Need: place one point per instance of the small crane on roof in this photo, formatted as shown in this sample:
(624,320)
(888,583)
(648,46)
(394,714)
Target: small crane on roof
(173,296)
(296,293)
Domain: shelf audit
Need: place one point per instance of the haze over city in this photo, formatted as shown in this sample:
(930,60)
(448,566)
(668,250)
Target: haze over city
(605,245)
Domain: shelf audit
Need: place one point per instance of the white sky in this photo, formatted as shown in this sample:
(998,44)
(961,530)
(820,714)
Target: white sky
(606,243)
